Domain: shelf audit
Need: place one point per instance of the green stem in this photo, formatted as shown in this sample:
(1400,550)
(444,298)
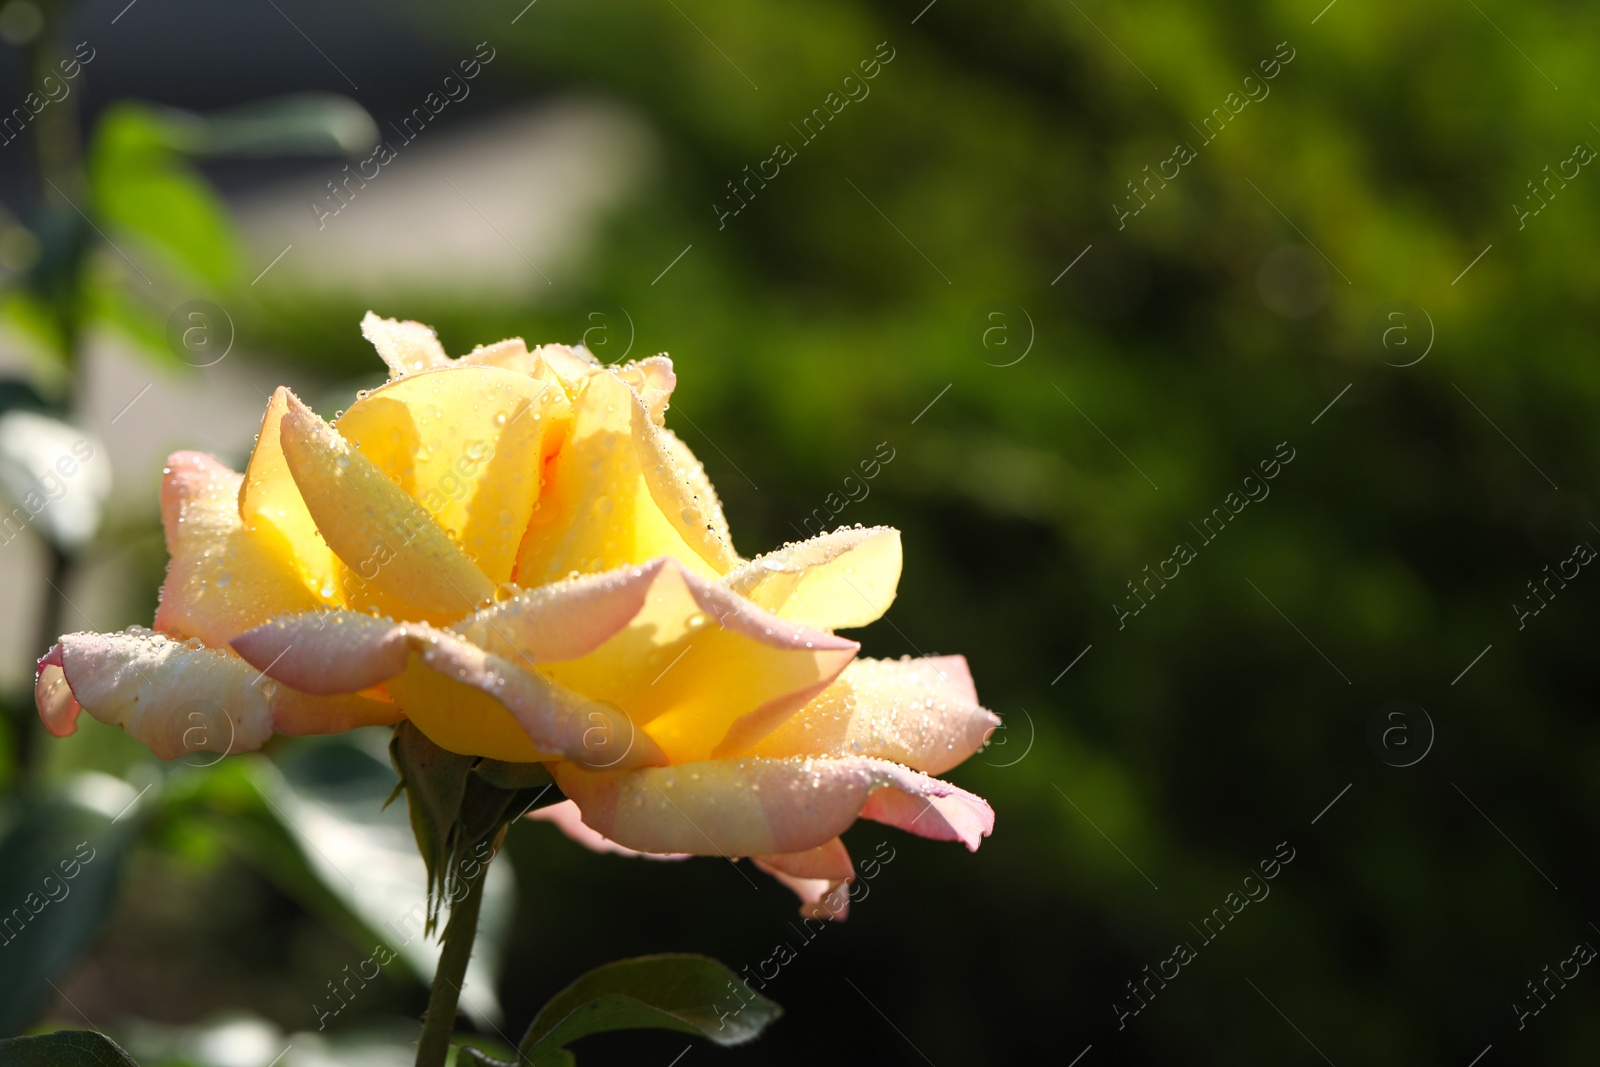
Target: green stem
(439,1024)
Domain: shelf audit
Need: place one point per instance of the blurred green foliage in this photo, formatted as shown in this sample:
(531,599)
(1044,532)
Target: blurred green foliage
(1186,744)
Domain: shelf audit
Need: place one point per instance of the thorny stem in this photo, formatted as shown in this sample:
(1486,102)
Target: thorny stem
(438,1025)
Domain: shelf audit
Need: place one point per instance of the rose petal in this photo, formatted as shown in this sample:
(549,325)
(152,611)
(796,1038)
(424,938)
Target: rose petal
(919,712)
(269,497)
(696,667)
(223,577)
(605,494)
(462,697)
(387,539)
(677,482)
(564,620)
(565,817)
(407,347)
(327,652)
(58,708)
(653,379)
(570,366)
(757,807)
(511,354)
(815,876)
(176,697)
(838,580)
(467,444)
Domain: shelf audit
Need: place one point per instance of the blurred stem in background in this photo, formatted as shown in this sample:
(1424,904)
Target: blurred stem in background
(58,156)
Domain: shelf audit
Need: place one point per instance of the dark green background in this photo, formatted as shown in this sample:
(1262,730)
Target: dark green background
(1212,727)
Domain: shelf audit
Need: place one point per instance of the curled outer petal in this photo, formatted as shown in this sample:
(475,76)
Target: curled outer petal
(923,713)
(223,577)
(407,347)
(757,807)
(834,581)
(462,697)
(816,876)
(384,536)
(653,379)
(565,817)
(179,697)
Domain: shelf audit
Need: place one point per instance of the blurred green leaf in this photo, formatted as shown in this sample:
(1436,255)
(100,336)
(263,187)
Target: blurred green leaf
(59,866)
(64,1048)
(140,186)
(31,318)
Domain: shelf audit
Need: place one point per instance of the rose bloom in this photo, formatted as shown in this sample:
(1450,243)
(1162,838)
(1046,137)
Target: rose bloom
(512,551)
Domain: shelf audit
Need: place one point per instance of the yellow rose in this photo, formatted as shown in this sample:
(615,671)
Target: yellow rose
(511,550)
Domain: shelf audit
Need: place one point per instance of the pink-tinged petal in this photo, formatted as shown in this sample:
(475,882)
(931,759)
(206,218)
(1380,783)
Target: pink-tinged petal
(563,620)
(407,347)
(179,697)
(816,876)
(389,541)
(305,714)
(954,672)
(833,582)
(58,708)
(919,712)
(327,652)
(565,817)
(756,807)
(223,577)
(696,667)
(653,379)
(465,699)
(949,815)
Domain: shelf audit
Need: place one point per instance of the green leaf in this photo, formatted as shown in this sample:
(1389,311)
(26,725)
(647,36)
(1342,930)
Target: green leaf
(689,993)
(59,866)
(64,1048)
(140,186)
